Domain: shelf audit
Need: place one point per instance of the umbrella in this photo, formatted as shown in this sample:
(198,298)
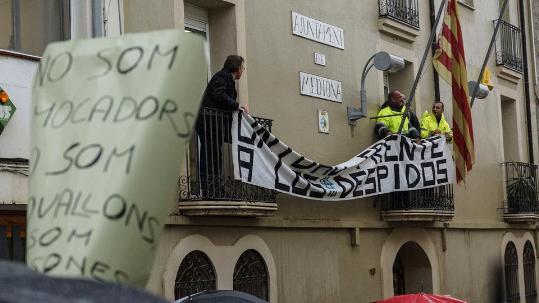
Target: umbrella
(421,298)
(221,296)
(20,284)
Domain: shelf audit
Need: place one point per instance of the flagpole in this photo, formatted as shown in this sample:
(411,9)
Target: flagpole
(425,54)
(492,40)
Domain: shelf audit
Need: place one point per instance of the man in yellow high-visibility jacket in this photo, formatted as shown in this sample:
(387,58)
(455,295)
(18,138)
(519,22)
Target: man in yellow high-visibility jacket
(434,123)
(390,117)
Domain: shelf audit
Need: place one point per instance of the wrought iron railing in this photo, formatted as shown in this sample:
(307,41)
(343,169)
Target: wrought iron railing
(438,198)
(521,186)
(509,46)
(404,11)
(209,173)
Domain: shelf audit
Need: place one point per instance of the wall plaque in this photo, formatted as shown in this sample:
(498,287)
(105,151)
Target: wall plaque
(317,30)
(320,87)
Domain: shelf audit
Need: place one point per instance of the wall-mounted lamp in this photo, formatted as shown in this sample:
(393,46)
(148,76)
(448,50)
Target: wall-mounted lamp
(482,90)
(382,61)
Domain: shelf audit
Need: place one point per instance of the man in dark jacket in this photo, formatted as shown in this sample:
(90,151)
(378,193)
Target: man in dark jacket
(213,124)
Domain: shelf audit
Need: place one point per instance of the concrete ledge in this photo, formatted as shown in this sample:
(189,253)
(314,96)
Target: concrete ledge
(227,208)
(417,215)
(398,30)
(526,218)
(508,74)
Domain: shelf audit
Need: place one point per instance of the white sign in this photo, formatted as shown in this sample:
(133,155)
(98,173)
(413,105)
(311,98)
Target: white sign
(318,31)
(320,59)
(320,87)
(395,163)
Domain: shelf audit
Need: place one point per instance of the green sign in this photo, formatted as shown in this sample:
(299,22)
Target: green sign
(7,109)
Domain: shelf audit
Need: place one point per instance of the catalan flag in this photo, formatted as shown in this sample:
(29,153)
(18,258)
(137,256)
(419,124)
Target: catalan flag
(450,63)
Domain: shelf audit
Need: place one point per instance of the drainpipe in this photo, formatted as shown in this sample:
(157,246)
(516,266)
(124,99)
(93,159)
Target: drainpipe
(533,47)
(432,15)
(523,32)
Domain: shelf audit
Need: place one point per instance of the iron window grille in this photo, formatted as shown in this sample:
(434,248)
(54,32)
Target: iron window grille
(196,274)
(210,173)
(529,273)
(251,275)
(511,273)
(438,198)
(521,187)
(403,11)
(509,46)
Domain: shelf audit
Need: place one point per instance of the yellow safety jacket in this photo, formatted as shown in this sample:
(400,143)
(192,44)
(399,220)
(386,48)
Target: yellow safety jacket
(391,123)
(429,124)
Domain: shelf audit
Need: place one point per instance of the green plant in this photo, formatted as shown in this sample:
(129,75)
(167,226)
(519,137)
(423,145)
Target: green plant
(522,193)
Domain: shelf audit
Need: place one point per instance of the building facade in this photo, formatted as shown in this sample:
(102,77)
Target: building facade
(476,241)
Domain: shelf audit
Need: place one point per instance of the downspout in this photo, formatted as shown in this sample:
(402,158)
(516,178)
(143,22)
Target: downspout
(432,15)
(533,47)
(523,32)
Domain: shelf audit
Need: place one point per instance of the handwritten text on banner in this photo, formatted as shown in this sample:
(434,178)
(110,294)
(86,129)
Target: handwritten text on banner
(111,118)
(395,163)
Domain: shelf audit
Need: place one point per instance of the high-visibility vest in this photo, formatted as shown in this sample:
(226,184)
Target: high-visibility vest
(392,123)
(429,124)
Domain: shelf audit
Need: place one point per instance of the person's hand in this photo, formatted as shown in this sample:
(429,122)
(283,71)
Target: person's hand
(244,108)
(448,137)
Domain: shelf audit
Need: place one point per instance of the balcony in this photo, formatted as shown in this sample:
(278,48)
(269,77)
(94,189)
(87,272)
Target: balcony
(521,186)
(509,52)
(207,186)
(427,205)
(399,19)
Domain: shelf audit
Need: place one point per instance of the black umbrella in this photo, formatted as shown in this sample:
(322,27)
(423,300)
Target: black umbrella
(221,296)
(19,284)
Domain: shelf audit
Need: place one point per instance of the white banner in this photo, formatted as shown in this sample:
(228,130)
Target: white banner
(395,163)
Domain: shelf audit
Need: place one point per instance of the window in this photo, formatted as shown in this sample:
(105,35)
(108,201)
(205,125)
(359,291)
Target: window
(511,273)
(505,16)
(12,242)
(196,273)
(29,25)
(509,127)
(529,273)
(251,275)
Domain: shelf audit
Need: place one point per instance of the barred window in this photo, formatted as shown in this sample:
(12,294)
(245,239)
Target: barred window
(529,273)
(511,273)
(196,273)
(251,275)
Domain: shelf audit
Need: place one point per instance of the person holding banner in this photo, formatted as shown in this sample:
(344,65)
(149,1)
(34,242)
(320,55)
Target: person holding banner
(434,123)
(214,121)
(390,116)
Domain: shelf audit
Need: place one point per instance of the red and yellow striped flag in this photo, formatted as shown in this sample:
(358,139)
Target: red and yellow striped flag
(450,63)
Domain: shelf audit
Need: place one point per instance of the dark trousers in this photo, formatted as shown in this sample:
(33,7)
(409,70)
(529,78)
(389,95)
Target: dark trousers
(213,129)
(211,164)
